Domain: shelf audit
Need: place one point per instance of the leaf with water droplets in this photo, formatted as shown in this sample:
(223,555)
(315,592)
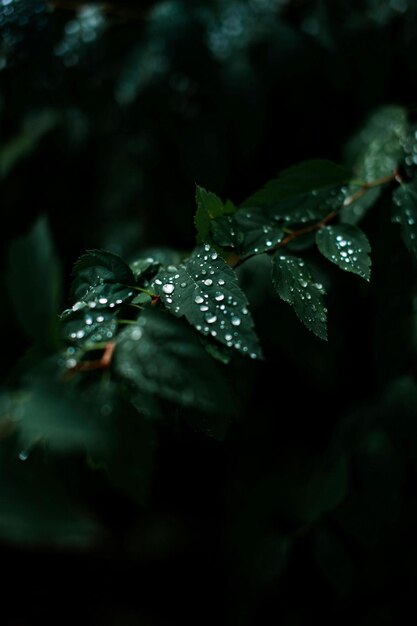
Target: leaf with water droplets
(405,199)
(250,231)
(209,206)
(304,192)
(295,284)
(162,356)
(205,290)
(347,246)
(89,326)
(225,232)
(103,278)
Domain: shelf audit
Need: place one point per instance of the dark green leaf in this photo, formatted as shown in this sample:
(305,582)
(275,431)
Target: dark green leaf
(103,278)
(307,191)
(34,281)
(347,247)
(209,206)
(225,232)
(205,290)
(295,284)
(162,356)
(405,198)
(89,326)
(259,232)
(251,231)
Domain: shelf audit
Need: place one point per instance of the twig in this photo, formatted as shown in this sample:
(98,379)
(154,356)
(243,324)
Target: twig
(235,260)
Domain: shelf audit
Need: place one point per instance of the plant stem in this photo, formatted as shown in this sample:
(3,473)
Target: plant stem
(236,261)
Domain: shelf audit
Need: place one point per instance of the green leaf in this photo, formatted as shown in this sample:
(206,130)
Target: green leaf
(102,278)
(333,560)
(224,232)
(405,199)
(162,356)
(252,231)
(89,326)
(304,192)
(294,283)
(205,290)
(347,247)
(209,206)
(376,151)
(34,282)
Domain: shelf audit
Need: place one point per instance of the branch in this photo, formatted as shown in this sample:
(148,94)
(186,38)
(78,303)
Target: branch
(235,260)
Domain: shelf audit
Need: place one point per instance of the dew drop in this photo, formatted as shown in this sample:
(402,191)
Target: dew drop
(235,320)
(183,285)
(23,455)
(221,281)
(219,296)
(198,300)
(102,300)
(208,282)
(210,318)
(168,288)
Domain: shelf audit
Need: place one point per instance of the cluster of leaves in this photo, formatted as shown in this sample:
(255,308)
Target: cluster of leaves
(141,340)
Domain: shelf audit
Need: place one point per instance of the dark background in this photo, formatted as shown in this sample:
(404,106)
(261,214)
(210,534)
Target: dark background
(109,116)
